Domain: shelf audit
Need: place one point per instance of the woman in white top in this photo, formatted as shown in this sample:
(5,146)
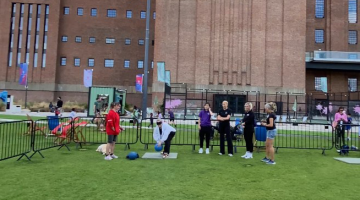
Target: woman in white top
(160,116)
(164,133)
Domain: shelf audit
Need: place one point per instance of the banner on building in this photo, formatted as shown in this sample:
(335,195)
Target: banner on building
(23,74)
(167,77)
(88,74)
(139,82)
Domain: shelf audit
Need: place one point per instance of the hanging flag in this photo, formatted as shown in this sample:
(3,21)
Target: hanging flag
(161,72)
(88,74)
(167,77)
(294,108)
(23,74)
(3,96)
(139,82)
(324,84)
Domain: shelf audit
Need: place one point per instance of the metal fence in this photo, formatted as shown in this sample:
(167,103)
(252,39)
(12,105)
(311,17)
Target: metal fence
(19,138)
(290,135)
(15,139)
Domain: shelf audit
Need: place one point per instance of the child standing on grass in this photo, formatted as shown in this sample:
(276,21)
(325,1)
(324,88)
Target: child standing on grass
(151,121)
(270,109)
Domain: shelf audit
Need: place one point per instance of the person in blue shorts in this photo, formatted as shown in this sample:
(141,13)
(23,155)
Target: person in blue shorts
(270,109)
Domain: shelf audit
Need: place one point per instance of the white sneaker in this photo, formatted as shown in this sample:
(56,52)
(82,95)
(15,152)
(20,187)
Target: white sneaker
(108,158)
(249,156)
(201,150)
(230,155)
(207,151)
(114,156)
(220,154)
(245,154)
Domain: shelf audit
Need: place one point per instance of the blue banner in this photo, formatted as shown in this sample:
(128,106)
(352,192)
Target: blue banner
(167,77)
(23,74)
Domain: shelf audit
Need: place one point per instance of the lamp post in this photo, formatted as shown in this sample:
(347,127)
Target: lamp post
(146,64)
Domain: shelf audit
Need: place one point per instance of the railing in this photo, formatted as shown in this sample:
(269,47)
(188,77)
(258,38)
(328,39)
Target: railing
(336,56)
(19,138)
(15,139)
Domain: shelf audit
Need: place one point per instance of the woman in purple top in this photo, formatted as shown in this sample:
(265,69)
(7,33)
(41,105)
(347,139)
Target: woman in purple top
(205,127)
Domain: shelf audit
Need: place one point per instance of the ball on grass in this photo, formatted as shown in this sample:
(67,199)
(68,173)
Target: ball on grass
(132,156)
(158,148)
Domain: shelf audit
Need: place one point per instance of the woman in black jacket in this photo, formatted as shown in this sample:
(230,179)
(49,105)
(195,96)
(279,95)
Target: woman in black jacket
(248,123)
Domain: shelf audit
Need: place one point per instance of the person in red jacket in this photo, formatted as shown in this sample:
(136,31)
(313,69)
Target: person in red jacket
(112,130)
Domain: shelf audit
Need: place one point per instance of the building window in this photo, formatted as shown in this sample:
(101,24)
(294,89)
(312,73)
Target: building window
(91,62)
(63,62)
(141,42)
(129,14)
(110,40)
(93,12)
(35,59)
(78,39)
(47,10)
(64,38)
(92,39)
(109,63)
(140,64)
(127,63)
(142,15)
(66,10)
(45,42)
(321,84)
(352,37)
(319,36)
(154,15)
(153,42)
(37,42)
(111,13)
(319,8)
(353,56)
(80,11)
(77,62)
(152,64)
(127,41)
(352,84)
(44,60)
(27,57)
(10,59)
(352,11)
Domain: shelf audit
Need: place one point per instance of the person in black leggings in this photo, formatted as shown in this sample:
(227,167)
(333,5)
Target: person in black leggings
(205,128)
(248,123)
(224,129)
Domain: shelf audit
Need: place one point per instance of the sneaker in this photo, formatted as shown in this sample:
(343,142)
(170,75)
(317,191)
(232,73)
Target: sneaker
(349,138)
(230,155)
(220,154)
(201,150)
(114,156)
(207,151)
(271,162)
(265,160)
(108,158)
(249,156)
(245,154)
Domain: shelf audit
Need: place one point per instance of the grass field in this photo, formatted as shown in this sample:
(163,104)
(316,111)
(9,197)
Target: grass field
(75,174)
(18,117)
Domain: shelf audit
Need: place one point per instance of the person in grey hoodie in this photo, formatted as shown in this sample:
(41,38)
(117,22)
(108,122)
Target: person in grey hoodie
(164,133)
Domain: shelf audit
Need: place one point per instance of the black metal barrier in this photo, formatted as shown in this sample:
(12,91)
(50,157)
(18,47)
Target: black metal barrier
(15,139)
(50,133)
(289,135)
(346,138)
(19,138)
(92,131)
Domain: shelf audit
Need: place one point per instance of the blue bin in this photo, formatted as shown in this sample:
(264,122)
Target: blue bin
(260,133)
(53,122)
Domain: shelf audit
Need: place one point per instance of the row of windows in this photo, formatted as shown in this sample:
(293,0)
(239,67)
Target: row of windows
(319,36)
(352,10)
(78,39)
(112,13)
(321,84)
(107,63)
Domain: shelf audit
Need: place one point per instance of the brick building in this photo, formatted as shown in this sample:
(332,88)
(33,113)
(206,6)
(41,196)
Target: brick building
(332,46)
(264,45)
(61,38)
